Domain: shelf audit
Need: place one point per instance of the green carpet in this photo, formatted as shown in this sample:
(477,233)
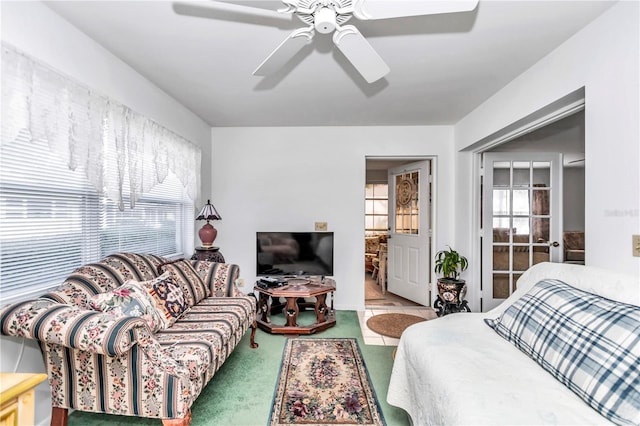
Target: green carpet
(241,392)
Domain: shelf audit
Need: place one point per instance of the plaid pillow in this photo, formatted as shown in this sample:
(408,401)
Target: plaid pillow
(589,343)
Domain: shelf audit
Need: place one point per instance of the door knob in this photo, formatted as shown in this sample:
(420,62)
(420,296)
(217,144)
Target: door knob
(554,244)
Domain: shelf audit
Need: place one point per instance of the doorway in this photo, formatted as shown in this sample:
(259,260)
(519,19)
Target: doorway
(381,175)
(520,230)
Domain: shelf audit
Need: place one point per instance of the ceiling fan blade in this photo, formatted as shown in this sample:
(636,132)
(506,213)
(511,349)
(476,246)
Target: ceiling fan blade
(360,53)
(285,51)
(385,9)
(229,11)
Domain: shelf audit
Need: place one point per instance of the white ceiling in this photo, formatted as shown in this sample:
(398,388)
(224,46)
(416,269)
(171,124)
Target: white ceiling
(442,66)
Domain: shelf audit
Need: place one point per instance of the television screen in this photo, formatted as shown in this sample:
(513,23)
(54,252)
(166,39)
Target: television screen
(294,253)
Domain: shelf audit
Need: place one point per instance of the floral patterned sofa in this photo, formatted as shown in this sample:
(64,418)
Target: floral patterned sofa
(135,335)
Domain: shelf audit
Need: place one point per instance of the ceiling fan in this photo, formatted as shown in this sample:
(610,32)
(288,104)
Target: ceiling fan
(325,17)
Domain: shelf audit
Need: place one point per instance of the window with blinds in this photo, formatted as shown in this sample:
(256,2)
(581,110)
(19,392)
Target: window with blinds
(52,220)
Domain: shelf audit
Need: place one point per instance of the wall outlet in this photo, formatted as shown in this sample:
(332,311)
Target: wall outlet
(240,282)
(321,226)
(636,245)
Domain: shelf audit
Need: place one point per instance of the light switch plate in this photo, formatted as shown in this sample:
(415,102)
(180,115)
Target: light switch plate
(321,226)
(636,245)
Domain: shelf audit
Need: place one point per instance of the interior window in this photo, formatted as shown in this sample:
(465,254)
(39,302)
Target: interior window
(376,208)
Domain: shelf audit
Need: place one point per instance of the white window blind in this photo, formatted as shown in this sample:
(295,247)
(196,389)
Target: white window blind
(82,177)
(52,220)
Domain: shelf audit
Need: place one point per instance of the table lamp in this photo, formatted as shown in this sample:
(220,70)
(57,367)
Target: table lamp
(208,233)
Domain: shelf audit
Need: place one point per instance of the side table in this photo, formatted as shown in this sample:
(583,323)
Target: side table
(210,254)
(450,298)
(17,397)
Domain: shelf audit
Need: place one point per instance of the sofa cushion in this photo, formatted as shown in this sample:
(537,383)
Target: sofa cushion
(168,297)
(187,278)
(589,343)
(111,272)
(130,299)
(371,244)
(219,278)
(204,337)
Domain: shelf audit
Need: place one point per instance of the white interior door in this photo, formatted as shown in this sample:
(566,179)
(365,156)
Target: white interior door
(522,219)
(409,255)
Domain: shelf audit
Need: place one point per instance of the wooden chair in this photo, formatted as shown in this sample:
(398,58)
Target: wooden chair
(382,267)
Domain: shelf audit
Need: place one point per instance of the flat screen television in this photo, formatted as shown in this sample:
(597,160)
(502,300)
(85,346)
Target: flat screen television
(294,253)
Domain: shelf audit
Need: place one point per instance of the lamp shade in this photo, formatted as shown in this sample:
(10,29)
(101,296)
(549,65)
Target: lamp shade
(208,213)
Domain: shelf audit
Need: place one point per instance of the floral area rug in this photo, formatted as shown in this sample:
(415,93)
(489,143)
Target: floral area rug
(324,382)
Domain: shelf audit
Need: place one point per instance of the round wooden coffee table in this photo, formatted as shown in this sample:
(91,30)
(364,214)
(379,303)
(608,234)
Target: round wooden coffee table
(294,292)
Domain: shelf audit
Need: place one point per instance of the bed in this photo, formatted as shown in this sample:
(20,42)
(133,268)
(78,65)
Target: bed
(458,370)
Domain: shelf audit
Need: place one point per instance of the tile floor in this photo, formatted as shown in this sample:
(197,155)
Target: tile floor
(373,338)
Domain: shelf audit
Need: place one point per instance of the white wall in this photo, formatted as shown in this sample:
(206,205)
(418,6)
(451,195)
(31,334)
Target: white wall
(603,58)
(37,31)
(281,179)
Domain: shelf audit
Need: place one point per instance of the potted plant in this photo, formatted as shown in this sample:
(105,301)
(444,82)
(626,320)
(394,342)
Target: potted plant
(451,289)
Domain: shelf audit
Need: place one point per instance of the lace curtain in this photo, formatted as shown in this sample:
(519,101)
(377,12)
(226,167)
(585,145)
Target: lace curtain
(117,148)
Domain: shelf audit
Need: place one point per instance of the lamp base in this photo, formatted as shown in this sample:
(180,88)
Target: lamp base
(207,235)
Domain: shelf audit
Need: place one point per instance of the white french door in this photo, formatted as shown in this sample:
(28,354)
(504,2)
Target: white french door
(409,254)
(522,219)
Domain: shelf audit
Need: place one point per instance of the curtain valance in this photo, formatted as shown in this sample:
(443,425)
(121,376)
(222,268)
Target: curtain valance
(119,150)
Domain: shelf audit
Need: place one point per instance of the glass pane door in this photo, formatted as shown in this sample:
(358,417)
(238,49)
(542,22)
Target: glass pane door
(522,213)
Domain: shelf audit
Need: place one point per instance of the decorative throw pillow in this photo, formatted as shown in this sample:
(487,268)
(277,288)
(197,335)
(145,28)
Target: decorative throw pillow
(130,299)
(169,299)
(589,343)
(187,279)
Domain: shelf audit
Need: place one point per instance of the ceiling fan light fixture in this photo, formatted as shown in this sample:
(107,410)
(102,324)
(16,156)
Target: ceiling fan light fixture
(325,20)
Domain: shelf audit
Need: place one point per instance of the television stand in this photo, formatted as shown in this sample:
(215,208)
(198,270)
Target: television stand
(294,293)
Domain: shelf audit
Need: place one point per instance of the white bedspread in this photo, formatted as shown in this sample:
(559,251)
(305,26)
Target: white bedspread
(456,370)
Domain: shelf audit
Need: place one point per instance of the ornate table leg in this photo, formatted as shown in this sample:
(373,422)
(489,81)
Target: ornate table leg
(291,312)
(264,307)
(321,308)
(332,311)
(464,307)
(439,306)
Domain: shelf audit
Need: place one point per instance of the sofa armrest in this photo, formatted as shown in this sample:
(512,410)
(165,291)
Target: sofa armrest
(70,326)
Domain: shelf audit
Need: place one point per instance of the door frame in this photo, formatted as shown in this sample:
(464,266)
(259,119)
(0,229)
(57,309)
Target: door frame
(570,104)
(432,207)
